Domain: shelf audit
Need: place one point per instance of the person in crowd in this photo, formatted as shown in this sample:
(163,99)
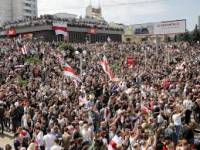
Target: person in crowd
(2,116)
(154,104)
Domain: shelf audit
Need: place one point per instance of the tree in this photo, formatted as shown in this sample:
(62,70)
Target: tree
(196,34)
(175,38)
(68,48)
(184,37)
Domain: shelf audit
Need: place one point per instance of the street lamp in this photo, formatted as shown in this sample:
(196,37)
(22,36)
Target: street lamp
(81,53)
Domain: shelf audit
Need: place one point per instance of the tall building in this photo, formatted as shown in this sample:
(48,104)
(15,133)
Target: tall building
(95,13)
(5,11)
(199,22)
(12,10)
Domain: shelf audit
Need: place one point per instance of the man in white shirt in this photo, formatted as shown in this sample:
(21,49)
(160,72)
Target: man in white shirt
(188,104)
(49,140)
(56,145)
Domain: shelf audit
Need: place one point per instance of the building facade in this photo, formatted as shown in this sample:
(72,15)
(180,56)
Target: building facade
(5,11)
(12,10)
(95,13)
(199,22)
(76,34)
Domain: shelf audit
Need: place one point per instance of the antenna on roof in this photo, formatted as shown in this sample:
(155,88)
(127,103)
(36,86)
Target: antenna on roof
(99,4)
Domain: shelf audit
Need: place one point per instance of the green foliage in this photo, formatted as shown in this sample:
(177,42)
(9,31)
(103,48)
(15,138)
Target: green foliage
(115,67)
(193,36)
(187,36)
(22,82)
(196,34)
(68,48)
(33,60)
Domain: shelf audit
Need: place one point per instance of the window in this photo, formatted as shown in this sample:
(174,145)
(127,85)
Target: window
(28,5)
(27,11)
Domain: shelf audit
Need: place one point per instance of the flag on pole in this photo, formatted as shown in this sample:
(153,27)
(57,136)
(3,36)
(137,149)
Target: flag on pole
(106,68)
(70,72)
(24,50)
(60,28)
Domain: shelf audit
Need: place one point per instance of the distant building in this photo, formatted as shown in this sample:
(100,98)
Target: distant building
(95,13)
(65,15)
(12,10)
(5,11)
(199,22)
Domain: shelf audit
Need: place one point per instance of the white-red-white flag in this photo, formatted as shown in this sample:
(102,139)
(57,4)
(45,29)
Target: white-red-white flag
(24,50)
(60,28)
(70,72)
(107,68)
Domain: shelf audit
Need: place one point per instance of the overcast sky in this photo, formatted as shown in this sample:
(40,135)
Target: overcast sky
(142,11)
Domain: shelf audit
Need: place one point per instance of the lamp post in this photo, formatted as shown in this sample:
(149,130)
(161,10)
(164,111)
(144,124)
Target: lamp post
(81,53)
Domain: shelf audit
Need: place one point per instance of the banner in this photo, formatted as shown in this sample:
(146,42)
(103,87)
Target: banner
(60,28)
(131,62)
(162,28)
(92,31)
(170,27)
(11,32)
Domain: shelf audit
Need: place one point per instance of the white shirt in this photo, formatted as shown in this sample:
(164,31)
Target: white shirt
(49,141)
(177,119)
(160,118)
(86,133)
(39,138)
(187,104)
(56,147)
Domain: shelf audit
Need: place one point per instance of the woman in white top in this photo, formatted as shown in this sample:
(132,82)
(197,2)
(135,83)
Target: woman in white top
(176,118)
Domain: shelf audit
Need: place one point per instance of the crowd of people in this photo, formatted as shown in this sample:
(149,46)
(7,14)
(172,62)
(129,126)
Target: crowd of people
(152,105)
(49,19)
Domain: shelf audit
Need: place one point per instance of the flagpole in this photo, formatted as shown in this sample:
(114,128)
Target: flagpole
(81,65)
(168,56)
(157,44)
(57,38)
(145,51)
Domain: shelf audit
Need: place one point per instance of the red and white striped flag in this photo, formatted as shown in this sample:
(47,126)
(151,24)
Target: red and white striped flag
(70,72)
(24,50)
(60,28)
(107,68)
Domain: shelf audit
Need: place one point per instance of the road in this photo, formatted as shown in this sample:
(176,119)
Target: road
(7,138)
